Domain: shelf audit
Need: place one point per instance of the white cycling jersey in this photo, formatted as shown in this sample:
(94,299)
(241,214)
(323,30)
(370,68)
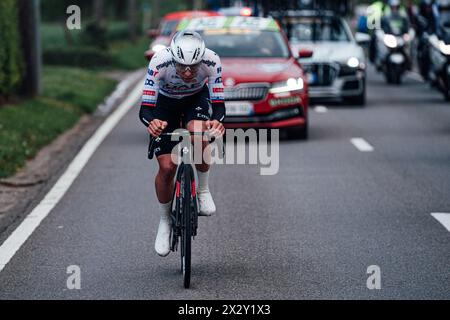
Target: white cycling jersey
(162,78)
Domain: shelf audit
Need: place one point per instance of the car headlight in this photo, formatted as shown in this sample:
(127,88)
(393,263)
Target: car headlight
(291,84)
(445,48)
(353,62)
(390,41)
(158,47)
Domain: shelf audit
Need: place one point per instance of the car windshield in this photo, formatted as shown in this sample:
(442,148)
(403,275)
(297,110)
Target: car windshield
(169,27)
(236,43)
(316,29)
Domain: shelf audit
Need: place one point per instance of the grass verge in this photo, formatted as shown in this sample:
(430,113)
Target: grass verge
(68,93)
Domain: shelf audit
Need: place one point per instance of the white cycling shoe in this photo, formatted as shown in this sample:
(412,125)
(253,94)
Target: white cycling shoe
(206,203)
(162,243)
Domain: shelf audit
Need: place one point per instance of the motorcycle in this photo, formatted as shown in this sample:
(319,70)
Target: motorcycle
(439,73)
(423,50)
(393,53)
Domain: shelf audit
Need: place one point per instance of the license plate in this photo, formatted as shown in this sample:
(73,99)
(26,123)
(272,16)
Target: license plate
(397,58)
(238,108)
(311,77)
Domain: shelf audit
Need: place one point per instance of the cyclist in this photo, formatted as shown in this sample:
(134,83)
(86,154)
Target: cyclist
(183,84)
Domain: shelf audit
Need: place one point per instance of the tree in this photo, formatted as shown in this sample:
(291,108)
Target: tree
(31,43)
(156,12)
(132,19)
(11,55)
(98,12)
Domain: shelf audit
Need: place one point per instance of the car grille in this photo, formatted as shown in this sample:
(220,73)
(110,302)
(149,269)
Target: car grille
(246,92)
(351,85)
(347,71)
(324,74)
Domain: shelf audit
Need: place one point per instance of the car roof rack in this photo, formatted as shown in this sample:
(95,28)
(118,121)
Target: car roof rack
(334,7)
(280,15)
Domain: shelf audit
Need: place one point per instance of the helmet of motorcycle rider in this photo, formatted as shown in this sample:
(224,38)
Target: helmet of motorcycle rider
(187,47)
(394,3)
(443,4)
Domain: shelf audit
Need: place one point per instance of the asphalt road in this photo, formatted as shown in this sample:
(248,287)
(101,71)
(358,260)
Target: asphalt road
(309,232)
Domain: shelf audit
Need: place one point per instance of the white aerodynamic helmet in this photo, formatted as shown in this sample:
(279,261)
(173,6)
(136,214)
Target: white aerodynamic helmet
(187,47)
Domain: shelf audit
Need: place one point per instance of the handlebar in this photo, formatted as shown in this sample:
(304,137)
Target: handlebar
(183,133)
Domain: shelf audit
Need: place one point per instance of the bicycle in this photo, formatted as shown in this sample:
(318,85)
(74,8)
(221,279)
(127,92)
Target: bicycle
(184,207)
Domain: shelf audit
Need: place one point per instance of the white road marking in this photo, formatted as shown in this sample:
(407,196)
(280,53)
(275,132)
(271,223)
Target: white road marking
(443,218)
(362,145)
(415,76)
(321,109)
(11,245)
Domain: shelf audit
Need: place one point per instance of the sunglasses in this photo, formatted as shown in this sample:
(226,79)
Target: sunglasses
(183,68)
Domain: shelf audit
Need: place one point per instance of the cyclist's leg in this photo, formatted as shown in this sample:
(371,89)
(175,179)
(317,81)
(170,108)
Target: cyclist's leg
(196,113)
(167,111)
(164,179)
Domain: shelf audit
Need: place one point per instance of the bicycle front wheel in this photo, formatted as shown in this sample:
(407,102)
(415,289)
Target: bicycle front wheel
(186,235)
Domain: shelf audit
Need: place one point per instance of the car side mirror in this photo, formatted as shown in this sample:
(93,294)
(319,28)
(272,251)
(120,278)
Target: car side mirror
(362,38)
(153,33)
(305,53)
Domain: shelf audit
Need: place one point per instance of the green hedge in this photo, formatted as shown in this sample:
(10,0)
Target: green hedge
(11,56)
(77,56)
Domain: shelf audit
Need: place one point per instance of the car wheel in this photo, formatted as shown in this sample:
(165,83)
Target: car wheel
(447,94)
(359,100)
(447,89)
(298,133)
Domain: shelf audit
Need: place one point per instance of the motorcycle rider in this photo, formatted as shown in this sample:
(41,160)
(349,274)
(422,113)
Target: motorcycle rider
(396,22)
(442,14)
(428,16)
(375,13)
(439,49)
(426,25)
(378,11)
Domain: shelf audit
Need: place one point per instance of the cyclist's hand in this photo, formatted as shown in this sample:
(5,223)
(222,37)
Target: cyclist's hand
(156,127)
(215,128)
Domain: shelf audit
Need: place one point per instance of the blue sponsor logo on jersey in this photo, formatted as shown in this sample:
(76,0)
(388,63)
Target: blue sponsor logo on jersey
(165,64)
(209,63)
(218,80)
(219,70)
(149,82)
(152,73)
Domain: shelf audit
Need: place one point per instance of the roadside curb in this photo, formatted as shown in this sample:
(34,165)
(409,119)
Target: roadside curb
(20,193)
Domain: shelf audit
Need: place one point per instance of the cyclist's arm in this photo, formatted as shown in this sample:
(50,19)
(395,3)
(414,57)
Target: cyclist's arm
(215,86)
(150,93)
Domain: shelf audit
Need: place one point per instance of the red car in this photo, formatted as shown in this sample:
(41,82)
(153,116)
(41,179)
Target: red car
(167,28)
(264,84)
